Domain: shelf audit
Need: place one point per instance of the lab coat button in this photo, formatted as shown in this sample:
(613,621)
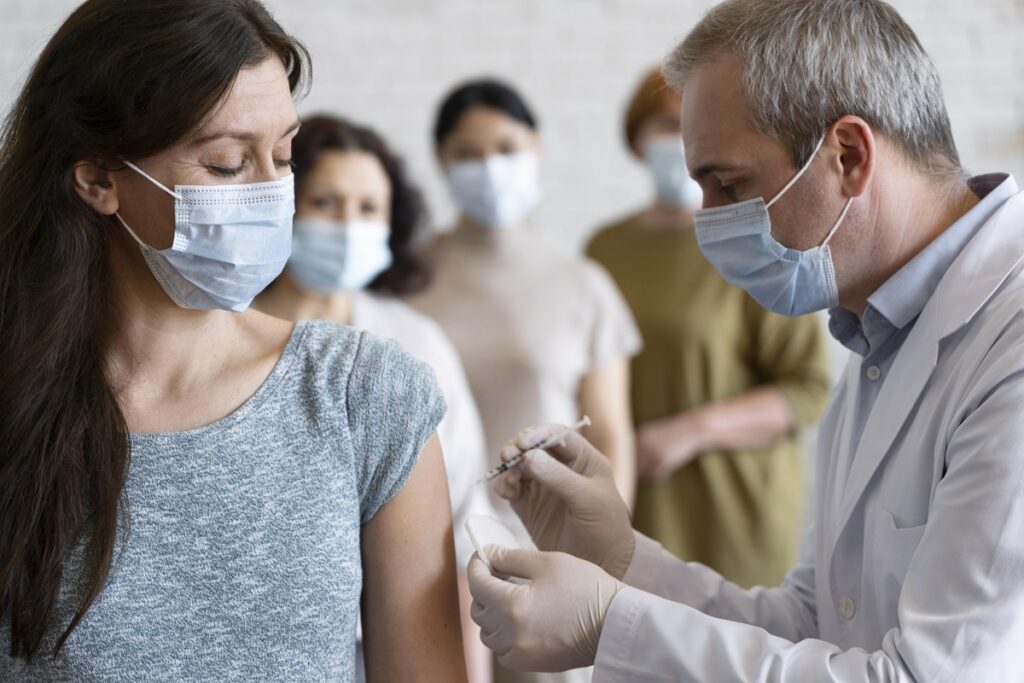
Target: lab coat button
(847,608)
(874,373)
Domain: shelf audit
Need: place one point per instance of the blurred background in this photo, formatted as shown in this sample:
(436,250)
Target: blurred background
(388,63)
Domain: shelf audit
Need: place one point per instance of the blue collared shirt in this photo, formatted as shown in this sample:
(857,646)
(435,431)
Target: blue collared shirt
(893,309)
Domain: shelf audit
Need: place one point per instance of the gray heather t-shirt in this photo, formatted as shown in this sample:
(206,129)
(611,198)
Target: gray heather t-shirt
(242,562)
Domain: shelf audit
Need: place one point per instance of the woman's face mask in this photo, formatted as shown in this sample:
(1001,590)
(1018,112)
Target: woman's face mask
(331,256)
(666,160)
(498,191)
(230,242)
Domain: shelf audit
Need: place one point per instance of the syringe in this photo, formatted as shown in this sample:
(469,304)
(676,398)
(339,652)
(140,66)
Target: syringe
(556,438)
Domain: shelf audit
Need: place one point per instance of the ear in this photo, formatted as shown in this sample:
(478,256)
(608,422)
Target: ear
(855,141)
(441,157)
(96,186)
(634,148)
(536,143)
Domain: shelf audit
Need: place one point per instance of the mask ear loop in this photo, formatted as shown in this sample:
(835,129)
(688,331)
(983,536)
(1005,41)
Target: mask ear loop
(799,173)
(130,231)
(842,217)
(151,179)
(155,182)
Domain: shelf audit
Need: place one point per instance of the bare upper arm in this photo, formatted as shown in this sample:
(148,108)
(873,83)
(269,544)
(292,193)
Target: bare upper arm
(411,627)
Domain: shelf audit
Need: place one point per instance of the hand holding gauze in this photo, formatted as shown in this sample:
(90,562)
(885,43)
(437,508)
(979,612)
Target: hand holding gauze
(547,615)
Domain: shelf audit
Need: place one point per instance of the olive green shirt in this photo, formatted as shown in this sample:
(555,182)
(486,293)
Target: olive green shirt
(706,341)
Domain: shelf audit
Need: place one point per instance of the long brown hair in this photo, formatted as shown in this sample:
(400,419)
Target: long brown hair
(119,80)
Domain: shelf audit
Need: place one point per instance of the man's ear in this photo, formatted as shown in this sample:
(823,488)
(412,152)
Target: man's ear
(854,140)
(96,186)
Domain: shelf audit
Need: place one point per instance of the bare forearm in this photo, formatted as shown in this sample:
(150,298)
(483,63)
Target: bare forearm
(604,396)
(755,419)
(617,445)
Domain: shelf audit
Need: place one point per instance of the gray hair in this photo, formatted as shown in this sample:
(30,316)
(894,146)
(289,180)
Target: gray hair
(807,63)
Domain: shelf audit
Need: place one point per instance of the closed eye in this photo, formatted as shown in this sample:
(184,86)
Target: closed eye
(225,171)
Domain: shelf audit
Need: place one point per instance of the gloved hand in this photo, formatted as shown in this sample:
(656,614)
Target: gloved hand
(551,623)
(569,502)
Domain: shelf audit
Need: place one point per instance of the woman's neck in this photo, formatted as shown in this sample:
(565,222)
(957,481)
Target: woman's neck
(173,368)
(287,300)
(665,217)
(468,230)
(150,328)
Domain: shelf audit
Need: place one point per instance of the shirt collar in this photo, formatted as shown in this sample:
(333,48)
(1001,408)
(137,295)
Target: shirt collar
(903,296)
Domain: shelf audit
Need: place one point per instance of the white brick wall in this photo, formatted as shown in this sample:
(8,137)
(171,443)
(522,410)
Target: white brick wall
(387,62)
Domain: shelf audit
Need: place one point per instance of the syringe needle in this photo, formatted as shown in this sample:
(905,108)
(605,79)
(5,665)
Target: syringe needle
(555,438)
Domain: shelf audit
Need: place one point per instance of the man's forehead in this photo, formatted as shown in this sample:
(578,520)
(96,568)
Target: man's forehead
(713,98)
(715,118)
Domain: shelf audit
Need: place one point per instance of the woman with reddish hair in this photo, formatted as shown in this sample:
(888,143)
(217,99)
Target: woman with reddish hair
(721,388)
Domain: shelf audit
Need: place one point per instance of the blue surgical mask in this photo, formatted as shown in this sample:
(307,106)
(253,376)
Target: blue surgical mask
(329,256)
(737,240)
(230,242)
(499,191)
(666,160)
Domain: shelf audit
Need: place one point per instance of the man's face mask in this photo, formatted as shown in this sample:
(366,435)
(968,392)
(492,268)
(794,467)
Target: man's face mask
(737,240)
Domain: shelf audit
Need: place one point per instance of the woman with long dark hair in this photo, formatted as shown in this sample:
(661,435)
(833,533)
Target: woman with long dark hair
(190,490)
(357,216)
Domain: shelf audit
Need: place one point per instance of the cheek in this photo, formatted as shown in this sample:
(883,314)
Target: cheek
(150,216)
(800,229)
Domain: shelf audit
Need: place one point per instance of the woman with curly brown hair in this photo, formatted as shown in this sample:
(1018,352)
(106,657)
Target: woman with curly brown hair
(357,218)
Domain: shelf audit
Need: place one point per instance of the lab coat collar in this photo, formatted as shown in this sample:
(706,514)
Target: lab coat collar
(983,266)
(972,280)
(902,298)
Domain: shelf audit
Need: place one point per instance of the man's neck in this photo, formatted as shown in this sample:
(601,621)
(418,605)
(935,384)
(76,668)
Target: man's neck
(905,218)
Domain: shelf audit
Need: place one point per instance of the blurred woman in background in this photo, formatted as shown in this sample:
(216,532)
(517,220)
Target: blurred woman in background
(191,490)
(356,218)
(543,337)
(721,388)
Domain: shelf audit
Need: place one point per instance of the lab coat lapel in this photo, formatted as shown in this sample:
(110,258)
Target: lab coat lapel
(898,396)
(986,262)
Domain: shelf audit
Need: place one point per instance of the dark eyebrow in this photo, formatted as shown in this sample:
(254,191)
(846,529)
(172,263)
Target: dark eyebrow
(708,169)
(244,135)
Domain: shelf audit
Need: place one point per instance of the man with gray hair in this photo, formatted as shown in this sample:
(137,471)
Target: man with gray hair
(818,132)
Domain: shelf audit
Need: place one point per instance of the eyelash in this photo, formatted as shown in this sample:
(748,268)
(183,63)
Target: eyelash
(730,191)
(225,172)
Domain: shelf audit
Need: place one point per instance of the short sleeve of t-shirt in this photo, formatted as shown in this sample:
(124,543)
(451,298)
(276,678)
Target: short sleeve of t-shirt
(614,333)
(394,406)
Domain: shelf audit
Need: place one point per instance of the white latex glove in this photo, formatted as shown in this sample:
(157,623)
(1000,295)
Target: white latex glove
(569,502)
(551,623)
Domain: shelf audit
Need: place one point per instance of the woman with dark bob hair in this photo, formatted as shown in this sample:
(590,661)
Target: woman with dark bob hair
(191,490)
(357,216)
(544,337)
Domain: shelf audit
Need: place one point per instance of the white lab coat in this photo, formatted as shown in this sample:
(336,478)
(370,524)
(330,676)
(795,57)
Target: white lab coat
(914,570)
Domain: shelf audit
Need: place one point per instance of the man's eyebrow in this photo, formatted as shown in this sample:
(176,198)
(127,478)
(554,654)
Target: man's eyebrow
(243,135)
(708,169)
